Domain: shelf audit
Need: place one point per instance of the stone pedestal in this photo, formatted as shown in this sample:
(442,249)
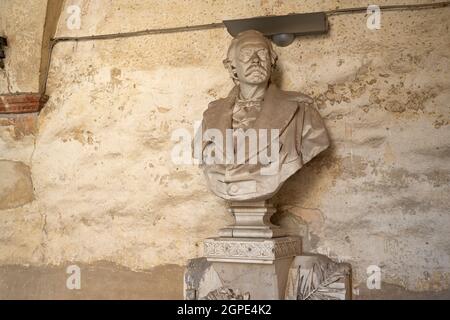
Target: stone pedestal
(253,259)
(253,266)
(253,256)
(304,277)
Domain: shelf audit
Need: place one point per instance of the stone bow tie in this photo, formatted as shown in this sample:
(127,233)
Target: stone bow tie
(245,113)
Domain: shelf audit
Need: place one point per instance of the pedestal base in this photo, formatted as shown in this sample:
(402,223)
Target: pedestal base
(255,267)
(257,281)
(304,277)
(253,260)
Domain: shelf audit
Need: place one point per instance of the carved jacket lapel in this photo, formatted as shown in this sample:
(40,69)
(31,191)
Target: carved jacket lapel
(277,110)
(276,113)
(219,115)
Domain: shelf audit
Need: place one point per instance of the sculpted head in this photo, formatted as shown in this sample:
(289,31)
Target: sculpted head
(250,58)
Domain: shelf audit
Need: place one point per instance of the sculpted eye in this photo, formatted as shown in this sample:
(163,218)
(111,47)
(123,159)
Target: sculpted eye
(245,54)
(263,53)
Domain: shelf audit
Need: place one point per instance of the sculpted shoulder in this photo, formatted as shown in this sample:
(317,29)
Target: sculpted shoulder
(215,110)
(297,97)
(216,103)
(221,104)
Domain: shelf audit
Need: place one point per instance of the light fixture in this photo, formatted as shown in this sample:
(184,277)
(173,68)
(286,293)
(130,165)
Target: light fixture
(283,39)
(3,43)
(281,29)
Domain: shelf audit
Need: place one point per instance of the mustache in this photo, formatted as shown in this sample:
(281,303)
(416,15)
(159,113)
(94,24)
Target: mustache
(253,68)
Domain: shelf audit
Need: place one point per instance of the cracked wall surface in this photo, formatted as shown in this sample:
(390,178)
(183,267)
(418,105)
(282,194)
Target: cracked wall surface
(97,159)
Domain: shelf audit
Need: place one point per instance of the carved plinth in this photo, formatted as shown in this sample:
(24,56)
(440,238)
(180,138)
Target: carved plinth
(250,250)
(252,220)
(259,266)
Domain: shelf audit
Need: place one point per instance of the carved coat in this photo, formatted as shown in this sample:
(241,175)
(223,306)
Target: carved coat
(302,135)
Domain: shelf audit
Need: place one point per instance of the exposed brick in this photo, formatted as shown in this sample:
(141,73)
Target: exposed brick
(22,102)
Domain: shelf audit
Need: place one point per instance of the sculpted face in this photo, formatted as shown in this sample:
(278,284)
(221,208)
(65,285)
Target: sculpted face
(253,62)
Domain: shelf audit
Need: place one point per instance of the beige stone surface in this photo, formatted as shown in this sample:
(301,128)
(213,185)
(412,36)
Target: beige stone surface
(105,188)
(22,24)
(99,280)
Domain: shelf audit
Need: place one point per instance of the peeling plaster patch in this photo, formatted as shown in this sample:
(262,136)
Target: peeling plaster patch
(395,106)
(439,178)
(353,167)
(304,222)
(115,77)
(80,134)
(16,187)
(19,126)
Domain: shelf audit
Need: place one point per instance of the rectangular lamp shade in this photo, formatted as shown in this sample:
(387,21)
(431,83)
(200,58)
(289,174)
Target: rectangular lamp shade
(297,24)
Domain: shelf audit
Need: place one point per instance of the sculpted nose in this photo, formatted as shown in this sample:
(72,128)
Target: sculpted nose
(255,58)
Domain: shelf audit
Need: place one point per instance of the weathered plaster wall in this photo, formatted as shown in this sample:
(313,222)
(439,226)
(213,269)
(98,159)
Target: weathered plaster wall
(106,189)
(22,24)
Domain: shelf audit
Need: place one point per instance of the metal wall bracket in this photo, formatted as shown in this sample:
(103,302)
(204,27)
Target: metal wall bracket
(273,26)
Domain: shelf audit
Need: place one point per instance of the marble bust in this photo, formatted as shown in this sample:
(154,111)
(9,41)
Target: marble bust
(297,132)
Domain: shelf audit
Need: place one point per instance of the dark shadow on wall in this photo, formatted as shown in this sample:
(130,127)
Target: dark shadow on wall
(307,184)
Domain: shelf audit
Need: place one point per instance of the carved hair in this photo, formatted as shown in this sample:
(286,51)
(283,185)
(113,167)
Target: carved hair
(242,37)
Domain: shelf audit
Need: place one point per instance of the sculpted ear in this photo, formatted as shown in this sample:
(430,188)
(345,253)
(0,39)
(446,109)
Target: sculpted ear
(231,69)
